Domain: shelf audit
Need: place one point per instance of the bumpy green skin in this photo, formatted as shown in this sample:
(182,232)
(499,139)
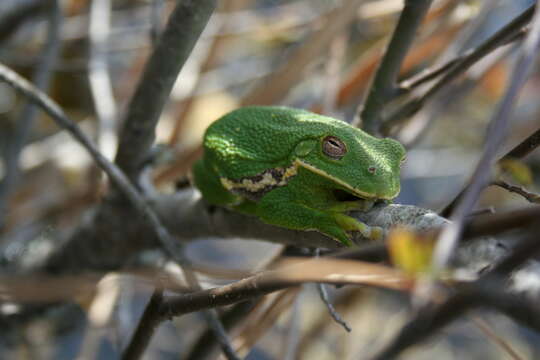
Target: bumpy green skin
(269,162)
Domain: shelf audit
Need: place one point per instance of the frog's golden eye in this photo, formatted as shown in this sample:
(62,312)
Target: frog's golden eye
(333,147)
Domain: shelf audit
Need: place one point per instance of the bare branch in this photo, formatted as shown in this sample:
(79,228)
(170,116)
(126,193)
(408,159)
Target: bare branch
(483,292)
(26,118)
(525,147)
(508,33)
(529,196)
(429,321)
(494,137)
(185,25)
(143,334)
(383,87)
(521,150)
(116,175)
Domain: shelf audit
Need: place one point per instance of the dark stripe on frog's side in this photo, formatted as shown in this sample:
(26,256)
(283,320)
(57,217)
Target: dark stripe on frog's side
(254,187)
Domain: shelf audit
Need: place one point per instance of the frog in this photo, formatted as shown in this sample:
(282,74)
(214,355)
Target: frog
(299,170)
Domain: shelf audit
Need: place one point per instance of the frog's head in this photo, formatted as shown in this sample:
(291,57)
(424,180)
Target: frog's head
(363,165)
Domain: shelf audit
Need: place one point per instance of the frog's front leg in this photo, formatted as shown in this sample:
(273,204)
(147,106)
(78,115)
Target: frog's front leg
(351,224)
(281,208)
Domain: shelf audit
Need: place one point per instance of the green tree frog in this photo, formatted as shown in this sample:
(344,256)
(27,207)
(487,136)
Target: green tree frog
(298,170)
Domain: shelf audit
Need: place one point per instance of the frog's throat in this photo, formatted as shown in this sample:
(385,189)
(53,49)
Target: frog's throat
(353,190)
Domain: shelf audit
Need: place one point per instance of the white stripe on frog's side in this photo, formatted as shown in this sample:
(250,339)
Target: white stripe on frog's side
(253,187)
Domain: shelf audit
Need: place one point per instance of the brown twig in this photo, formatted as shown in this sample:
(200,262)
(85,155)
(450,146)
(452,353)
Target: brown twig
(529,196)
(488,331)
(322,270)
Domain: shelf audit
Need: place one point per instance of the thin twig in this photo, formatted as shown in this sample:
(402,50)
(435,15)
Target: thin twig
(501,37)
(184,27)
(521,150)
(27,116)
(427,75)
(529,196)
(323,293)
(494,137)
(430,74)
(383,87)
(487,329)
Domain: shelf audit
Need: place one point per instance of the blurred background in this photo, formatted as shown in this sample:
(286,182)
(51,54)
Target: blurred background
(312,54)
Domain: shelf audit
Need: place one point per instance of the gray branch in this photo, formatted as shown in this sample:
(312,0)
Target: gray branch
(185,25)
(383,87)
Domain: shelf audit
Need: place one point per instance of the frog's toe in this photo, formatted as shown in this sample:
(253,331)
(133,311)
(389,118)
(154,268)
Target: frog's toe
(376,233)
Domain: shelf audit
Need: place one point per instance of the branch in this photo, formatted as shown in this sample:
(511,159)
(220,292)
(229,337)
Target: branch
(185,25)
(495,135)
(139,341)
(525,147)
(26,118)
(331,271)
(482,292)
(464,62)
(529,196)
(521,150)
(116,176)
(429,321)
(383,87)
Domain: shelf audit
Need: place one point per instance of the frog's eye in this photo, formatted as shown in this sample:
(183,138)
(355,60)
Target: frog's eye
(333,147)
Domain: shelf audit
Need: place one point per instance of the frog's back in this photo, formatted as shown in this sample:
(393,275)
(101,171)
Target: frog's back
(250,140)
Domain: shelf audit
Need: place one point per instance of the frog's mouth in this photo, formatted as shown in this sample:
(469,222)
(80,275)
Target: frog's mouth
(342,195)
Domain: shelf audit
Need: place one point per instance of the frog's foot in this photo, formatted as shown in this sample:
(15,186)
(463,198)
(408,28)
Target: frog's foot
(351,224)
(345,206)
